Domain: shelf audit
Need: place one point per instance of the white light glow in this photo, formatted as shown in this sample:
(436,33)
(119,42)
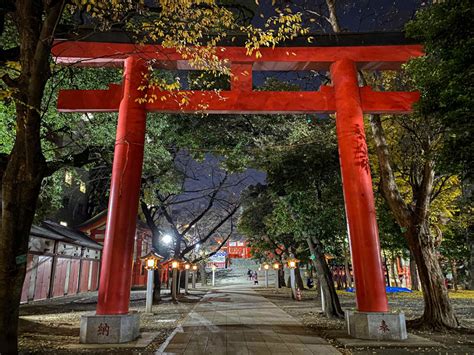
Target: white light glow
(167,239)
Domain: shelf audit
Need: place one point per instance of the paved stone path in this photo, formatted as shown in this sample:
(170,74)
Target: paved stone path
(236,320)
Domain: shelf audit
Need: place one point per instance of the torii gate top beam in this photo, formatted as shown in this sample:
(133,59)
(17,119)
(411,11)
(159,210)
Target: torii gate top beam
(360,49)
(372,51)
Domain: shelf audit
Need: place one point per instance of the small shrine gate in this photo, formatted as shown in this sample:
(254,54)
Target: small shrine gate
(344,97)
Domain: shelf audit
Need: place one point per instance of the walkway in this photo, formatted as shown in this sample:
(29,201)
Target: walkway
(236,320)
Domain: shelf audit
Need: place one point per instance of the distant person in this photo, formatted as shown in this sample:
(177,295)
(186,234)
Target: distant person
(249,274)
(255,278)
(309,282)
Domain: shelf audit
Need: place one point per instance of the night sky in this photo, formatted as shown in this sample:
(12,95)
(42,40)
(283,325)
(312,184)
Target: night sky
(354,16)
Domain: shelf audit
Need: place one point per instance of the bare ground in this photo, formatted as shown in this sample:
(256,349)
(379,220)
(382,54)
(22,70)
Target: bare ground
(52,326)
(308,311)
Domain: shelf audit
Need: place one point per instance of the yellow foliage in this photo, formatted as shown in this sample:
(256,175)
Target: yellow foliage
(194,28)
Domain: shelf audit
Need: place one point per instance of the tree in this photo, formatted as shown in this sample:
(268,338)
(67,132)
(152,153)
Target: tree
(265,245)
(303,201)
(307,178)
(444,76)
(421,135)
(412,185)
(33,26)
(203,208)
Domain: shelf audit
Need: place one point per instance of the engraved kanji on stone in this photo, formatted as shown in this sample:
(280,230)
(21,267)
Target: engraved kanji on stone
(384,327)
(103,329)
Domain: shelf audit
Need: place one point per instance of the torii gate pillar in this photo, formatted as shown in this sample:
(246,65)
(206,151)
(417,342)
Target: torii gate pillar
(372,319)
(112,322)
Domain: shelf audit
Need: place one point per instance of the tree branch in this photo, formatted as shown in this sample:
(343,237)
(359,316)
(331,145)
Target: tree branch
(215,251)
(424,192)
(390,189)
(211,232)
(209,206)
(75,160)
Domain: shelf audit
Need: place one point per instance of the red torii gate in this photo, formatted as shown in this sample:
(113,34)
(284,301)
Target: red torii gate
(344,97)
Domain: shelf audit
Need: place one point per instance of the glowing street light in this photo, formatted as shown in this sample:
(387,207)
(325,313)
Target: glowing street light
(276,267)
(167,239)
(266,266)
(292,264)
(187,266)
(152,261)
(194,268)
(175,264)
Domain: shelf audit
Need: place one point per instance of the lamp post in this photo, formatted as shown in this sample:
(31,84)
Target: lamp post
(292,265)
(213,267)
(276,267)
(174,281)
(194,268)
(152,261)
(187,266)
(265,268)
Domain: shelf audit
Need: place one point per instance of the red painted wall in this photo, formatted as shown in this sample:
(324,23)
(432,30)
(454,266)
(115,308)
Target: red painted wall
(73,277)
(26,283)
(43,277)
(60,277)
(95,276)
(84,281)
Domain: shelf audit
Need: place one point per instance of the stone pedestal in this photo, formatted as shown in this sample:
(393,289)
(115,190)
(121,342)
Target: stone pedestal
(109,329)
(376,325)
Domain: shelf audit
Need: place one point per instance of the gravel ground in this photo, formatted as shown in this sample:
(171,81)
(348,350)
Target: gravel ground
(52,326)
(308,311)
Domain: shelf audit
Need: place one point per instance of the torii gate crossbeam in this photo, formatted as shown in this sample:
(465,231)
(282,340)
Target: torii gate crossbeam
(345,97)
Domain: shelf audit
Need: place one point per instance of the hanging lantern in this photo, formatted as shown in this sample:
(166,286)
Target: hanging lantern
(292,263)
(152,260)
(175,264)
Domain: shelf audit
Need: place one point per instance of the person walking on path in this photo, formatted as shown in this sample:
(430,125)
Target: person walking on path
(255,278)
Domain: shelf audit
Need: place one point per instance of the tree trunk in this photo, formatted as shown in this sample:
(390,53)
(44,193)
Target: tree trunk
(387,271)
(438,313)
(415,285)
(281,278)
(393,264)
(332,307)
(20,188)
(299,279)
(281,273)
(26,167)
(157,287)
(414,218)
(333,20)
(471,261)
(346,266)
(454,272)
(202,271)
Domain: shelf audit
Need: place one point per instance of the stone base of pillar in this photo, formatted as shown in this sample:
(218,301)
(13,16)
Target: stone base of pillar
(376,325)
(109,329)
